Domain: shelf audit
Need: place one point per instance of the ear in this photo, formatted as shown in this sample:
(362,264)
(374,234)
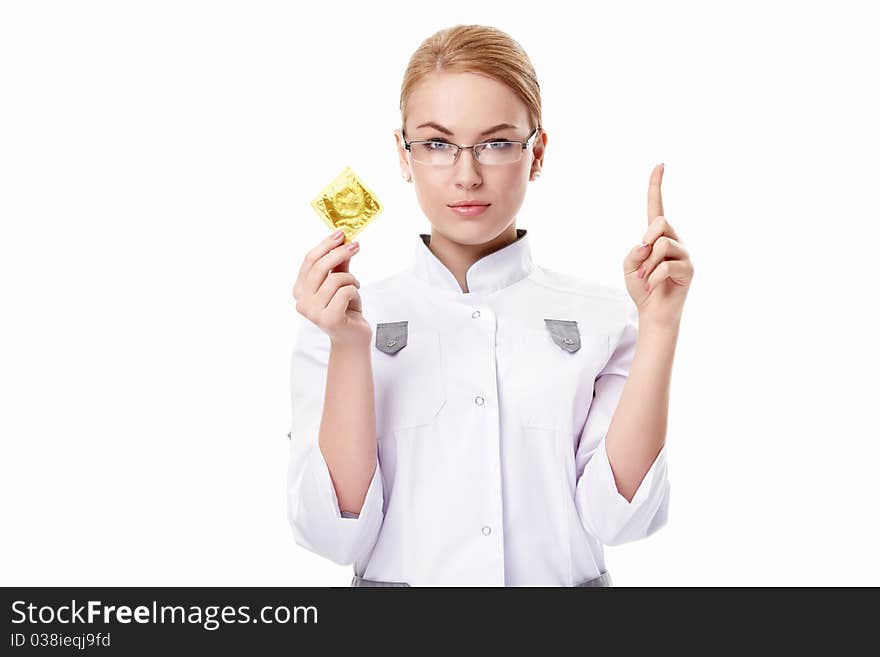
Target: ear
(403,156)
(538,148)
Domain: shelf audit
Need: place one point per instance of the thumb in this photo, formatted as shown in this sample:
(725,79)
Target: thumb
(634,259)
(342,266)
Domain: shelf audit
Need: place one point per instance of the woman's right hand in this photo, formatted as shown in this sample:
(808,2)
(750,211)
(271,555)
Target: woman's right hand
(327,294)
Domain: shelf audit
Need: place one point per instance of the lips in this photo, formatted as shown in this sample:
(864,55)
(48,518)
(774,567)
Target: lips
(469,210)
(468,204)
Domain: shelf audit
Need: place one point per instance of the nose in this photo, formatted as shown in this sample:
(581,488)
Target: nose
(467,173)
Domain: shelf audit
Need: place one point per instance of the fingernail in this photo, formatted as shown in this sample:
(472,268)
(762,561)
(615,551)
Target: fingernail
(352,246)
(644,244)
(337,234)
(641,271)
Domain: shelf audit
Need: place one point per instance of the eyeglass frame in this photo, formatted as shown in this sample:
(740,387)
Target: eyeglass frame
(459,148)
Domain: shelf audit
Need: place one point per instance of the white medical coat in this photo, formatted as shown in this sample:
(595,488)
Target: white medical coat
(491,424)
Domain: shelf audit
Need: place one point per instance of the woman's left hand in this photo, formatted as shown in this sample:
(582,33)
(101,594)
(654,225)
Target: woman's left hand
(658,275)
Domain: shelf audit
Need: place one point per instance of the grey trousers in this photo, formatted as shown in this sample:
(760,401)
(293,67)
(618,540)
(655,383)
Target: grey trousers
(602,580)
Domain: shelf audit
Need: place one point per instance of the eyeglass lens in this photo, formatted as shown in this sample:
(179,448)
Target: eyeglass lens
(492,153)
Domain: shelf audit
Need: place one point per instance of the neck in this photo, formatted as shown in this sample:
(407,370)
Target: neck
(458,258)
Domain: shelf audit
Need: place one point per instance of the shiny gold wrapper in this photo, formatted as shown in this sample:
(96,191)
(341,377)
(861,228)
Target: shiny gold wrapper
(347,204)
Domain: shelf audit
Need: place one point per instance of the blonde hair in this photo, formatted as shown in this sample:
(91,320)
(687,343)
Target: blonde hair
(474,49)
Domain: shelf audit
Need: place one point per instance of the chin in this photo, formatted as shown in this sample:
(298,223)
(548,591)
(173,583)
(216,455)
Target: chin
(470,231)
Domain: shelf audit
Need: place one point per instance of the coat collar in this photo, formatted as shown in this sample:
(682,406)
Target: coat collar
(490,273)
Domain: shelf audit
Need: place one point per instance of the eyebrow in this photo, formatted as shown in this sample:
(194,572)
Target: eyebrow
(494,128)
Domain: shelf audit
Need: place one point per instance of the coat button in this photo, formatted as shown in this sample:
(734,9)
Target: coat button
(487,530)
(391,343)
(479,401)
(475,314)
(568,340)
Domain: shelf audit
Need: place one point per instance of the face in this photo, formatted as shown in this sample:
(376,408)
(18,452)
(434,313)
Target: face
(466,104)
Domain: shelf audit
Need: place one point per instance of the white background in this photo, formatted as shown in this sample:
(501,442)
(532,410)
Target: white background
(157,160)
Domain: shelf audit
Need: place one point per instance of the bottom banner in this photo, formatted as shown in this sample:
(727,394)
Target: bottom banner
(129,621)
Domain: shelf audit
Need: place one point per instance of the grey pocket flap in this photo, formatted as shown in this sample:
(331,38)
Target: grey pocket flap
(391,336)
(564,333)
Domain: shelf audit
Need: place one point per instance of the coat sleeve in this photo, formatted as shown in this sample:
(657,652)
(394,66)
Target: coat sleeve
(312,506)
(604,512)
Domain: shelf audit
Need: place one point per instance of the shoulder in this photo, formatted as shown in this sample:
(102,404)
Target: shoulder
(391,296)
(387,285)
(577,286)
(604,305)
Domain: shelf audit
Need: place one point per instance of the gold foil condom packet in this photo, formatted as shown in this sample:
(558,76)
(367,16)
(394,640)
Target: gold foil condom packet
(347,204)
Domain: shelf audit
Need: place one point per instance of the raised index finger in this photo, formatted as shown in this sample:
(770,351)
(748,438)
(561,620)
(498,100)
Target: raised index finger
(655,201)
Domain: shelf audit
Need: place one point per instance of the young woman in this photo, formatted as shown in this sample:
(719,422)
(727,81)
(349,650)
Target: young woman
(479,420)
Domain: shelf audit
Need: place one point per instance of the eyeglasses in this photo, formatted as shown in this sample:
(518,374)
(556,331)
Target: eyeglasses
(493,152)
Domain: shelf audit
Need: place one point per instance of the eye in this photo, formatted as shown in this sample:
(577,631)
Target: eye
(499,144)
(437,145)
